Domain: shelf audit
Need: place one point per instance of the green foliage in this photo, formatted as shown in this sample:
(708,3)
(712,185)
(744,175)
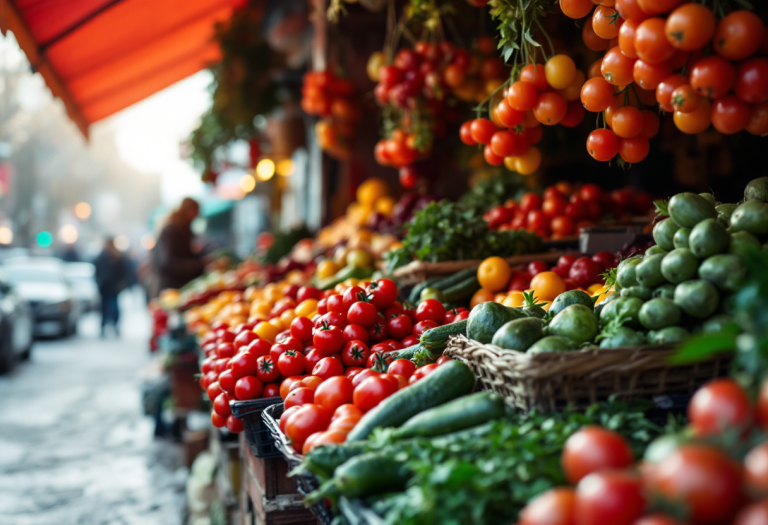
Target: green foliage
(284,243)
(491,192)
(518,20)
(445,231)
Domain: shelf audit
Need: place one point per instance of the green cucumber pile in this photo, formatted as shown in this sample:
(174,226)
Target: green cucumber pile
(684,285)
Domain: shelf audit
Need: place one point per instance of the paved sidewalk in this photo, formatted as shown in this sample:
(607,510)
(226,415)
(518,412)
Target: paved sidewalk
(75,447)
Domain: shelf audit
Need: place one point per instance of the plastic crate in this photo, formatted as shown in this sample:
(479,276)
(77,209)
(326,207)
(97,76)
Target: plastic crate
(257,434)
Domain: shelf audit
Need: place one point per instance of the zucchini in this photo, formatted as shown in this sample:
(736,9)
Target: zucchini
(461,291)
(363,475)
(449,381)
(348,272)
(437,338)
(406,353)
(464,412)
(452,280)
(415,294)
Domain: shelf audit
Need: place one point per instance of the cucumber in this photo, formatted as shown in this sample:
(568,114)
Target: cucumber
(449,381)
(406,353)
(413,297)
(452,280)
(437,338)
(465,412)
(363,475)
(461,291)
(348,272)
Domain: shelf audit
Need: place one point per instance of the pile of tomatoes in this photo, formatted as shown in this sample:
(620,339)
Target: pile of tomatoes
(717,472)
(675,54)
(545,94)
(332,98)
(350,333)
(563,209)
(416,87)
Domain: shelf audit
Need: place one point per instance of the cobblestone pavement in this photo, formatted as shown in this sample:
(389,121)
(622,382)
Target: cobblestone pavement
(75,447)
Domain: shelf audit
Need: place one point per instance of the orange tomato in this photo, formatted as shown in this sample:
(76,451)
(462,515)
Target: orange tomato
(481,296)
(494,273)
(547,285)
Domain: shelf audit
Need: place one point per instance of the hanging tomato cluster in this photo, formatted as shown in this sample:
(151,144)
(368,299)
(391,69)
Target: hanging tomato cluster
(545,94)
(332,98)
(415,89)
(682,56)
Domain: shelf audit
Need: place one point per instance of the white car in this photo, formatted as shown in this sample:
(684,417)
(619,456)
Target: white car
(82,276)
(41,282)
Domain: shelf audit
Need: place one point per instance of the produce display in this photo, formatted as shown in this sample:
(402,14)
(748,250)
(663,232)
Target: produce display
(332,98)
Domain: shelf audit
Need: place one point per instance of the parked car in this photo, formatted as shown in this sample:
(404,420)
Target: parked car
(41,282)
(82,277)
(17,326)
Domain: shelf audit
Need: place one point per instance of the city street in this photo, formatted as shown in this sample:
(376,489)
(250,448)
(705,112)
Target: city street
(75,447)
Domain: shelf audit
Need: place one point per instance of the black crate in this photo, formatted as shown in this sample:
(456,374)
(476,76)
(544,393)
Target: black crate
(256,433)
(306,482)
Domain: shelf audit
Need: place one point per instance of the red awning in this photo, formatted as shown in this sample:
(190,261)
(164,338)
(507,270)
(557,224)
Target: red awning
(100,56)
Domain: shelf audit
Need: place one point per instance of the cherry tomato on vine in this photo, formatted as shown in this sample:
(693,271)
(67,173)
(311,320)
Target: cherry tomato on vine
(629,9)
(758,121)
(713,76)
(509,143)
(690,27)
(634,149)
(596,94)
(730,114)
(657,7)
(616,68)
(685,99)
(606,22)
(576,8)
(651,44)
(534,74)
(550,108)
(522,96)
(627,122)
(591,39)
(738,35)
(752,80)
(649,76)
(627,38)
(491,158)
(465,132)
(603,144)
(560,71)
(696,121)
(666,87)
(509,116)
(481,130)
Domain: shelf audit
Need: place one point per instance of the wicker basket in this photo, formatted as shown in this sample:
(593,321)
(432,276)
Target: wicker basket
(306,482)
(419,271)
(554,380)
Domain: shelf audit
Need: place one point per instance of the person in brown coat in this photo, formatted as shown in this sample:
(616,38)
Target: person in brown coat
(176,263)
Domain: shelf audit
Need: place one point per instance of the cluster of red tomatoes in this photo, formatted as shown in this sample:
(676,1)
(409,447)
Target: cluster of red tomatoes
(417,85)
(544,94)
(699,475)
(563,209)
(655,53)
(332,98)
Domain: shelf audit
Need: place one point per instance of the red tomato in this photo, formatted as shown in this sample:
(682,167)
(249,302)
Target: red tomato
(310,418)
(362,313)
(291,363)
(442,360)
(355,332)
(606,259)
(311,382)
(287,384)
(243,340)
(355,353)
(288,412)
(259,348)
(422,372)
(225,350)
(352,295)
(752,80)
(585,272)
(410,340)
(656,519)
(270,390)
(299,396)
(372,391)
(227,381)
(234,425)
(344,424)
(328,367)
(592,449)
(362,376)
(379,360)
(378,332)
(213,390)
(347,410)
(755,514)
(481,130)
(310,360)
(756,470)
(610,496)
(713,76)
(353,371)
(423,326)
(530,201)
(248,387)
(338,319)
(221,405)
(301,329)
(307,292)
(730,114)
(322,306)
(267,371)
(217,420)
(277,350)
(403,367)
(328,340)
(536,267)
(537,220)
(400,326)
(335,303)
(719,405)
(432,310)
(553,207)
(244,364)
(334,392)
(554,507)
(702,478)
(383,292)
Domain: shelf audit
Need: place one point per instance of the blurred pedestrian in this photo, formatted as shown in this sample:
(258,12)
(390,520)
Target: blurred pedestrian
(111,278)
(175,261)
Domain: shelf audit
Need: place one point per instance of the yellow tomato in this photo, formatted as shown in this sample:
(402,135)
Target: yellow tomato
(499,297)
(370,191)
(529,161)
(351,282)
(236,320)
(481,296)
(267,331)
(603,297)
(375,62)
(261,308)
(340,288)
(560,71)
(385,206)
(327,268)
(295,277)
(494,273)
(547,285)
(514,299)
(306,307)
(596,288)
(287,316)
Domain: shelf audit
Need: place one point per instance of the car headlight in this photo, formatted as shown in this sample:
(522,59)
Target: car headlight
(52,308)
